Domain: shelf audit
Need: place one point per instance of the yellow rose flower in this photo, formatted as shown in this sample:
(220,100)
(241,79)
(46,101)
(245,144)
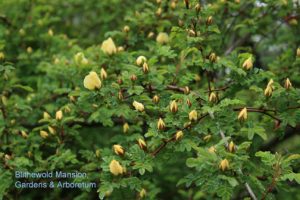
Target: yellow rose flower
(92,81)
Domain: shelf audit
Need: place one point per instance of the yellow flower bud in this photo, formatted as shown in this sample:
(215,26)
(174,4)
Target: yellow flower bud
(212,57)
(248,63)
(212,149)
(92,81)
(142,193)
(80,59)
(224,164)
(24,134)
(98,153)
(51,130)
(118,149)
(22,32)
(59,115)
(155,99)
(120,49)
(126,29)
(173,106)
(231,147)
(188,102)
(191,32)
(44,134)
(159,11)
(142,144)
(125,127)
(287,84)
(138,106)
(141,60)
(193,115)
(2,56)
(115,168)
(243,114)
(198,7)
(133,77)
(269,89)
(46,115)
(145,68)
(186,90)
(178,135)
(298,52)
(161,124)
(209,20)
(150,35)
(206,138)
(29,50)
(50,32)
(108,46)
(213,97)
(173,5)
(162,38)
(7,157)
(120,95)
(103,74)
(158,1)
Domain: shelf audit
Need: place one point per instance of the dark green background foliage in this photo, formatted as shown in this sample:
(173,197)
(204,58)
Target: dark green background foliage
(206,51)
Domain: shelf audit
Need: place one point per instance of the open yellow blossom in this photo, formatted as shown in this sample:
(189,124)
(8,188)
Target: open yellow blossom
(115,168)
(108,46)
(138,106)
(162,38)
(92,81)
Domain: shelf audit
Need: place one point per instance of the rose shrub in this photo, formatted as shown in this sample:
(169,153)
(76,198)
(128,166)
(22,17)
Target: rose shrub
(152,99)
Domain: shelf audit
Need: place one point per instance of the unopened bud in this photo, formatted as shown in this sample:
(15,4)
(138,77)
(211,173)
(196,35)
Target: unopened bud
(141,60)
(120,49)
(206,138)
(120,95)
(209,20)
(161,124)
(125,127)
(186,90)
(50,32)
(269,89)
(145,68)
(29,50)
(212,57)
(150,35)
(120,82)
(103,74)
(248,63)
(298,52)
(24,134)
(224,164)
(188,102)
(213,97)
(212,149)
(159,11)
(46,115)
(98,153)
(173,106)
(155,99)
(142,193)
(193,115)
(2,56)
(287,84)
(44,134)
(133,77)
(173,5)
(59,115)
(178,135)
(118,149)
(198,7)
(126,29)
(243,114)
(231,147)
(142,144)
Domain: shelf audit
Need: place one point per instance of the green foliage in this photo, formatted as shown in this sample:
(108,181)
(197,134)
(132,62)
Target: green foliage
(212,113)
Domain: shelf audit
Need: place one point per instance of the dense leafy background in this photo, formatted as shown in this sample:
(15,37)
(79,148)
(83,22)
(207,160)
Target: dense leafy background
(205,53)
